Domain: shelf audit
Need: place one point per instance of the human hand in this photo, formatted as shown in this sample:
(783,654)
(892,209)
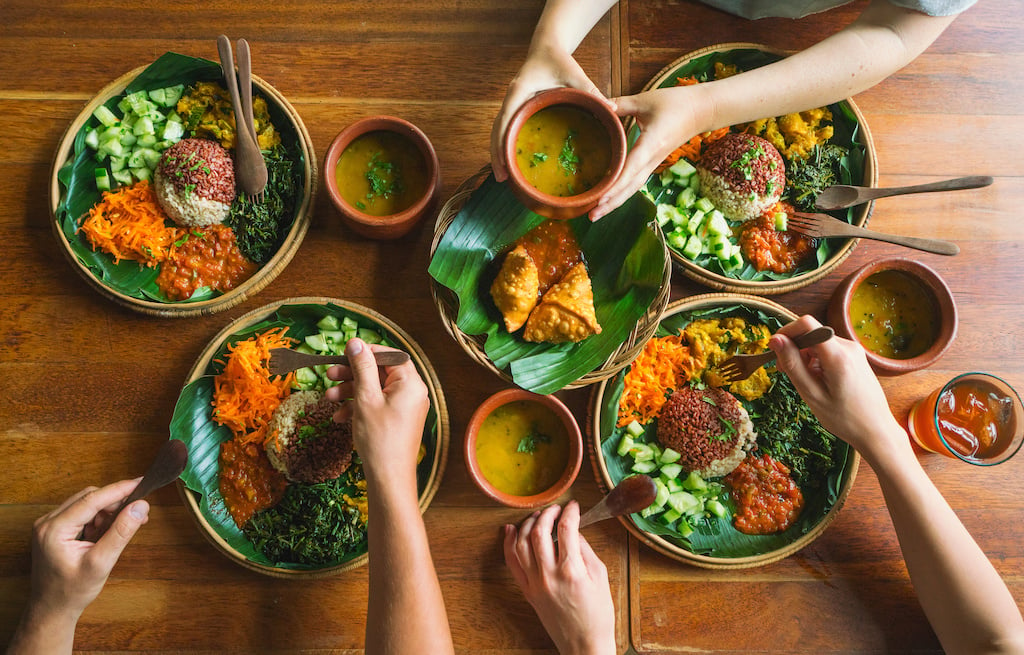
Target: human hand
(667,118)
(836,382)
(568,590)
(545,68)
(68,573)
(388,409)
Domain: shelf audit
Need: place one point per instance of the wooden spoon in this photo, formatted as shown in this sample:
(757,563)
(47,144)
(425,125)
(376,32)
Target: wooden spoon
(250,168)
(166,467)
(631,495)
(841,196)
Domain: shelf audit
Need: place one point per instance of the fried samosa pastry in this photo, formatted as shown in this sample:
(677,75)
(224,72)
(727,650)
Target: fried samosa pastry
(516,288)
(566,311)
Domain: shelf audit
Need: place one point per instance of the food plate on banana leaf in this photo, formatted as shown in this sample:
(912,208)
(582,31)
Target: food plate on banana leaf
(651,418)
(143,199)
(737,240)
(269,522)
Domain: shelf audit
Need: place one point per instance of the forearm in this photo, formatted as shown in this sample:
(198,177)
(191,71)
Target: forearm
(43,632)
(884,39)
(965,600)
(406,612)
(564,23)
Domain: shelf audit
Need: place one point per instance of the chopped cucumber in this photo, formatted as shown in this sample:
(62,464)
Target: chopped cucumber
(642,452)
(328,322)
(661,495)
(102,179)
(105,116)
(92,138)
(644,466)
(625,444)
(781,221)
(704,205)
(686,198)
(693,247)
(684,502)
(694,482)
(671,470)
(634,429)
(671,516)
(369,336)
(682,168)
(716,508)
(668,456)
(717,224)
(316,342)
(306,378)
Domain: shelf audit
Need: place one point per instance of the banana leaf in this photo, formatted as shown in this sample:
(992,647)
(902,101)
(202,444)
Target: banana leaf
(846,133)
(624,255)
(716,537)
(193,423)
(78,183)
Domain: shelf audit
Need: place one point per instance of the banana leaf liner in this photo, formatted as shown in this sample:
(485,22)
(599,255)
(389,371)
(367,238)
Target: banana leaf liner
(626,258)
(193,423)
(715,537)
(78,192)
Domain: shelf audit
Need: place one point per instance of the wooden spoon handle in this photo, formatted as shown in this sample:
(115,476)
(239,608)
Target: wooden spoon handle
(245,87)
(956,184)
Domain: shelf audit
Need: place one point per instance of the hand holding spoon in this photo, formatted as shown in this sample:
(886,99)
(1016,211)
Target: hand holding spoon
(841,196)
(631,495)
(166,467)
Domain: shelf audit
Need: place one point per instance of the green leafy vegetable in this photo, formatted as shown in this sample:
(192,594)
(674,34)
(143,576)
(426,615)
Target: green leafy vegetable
(808,177)
(538,157)
(260,227)
(313,524)
(791,434)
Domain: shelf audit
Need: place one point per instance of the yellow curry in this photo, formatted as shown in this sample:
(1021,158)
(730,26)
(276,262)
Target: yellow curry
(381,173)
(522,448)
(563,151)
(894,315)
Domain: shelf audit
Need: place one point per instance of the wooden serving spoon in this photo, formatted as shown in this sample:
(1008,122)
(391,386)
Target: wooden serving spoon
(166,467)
(631,495)
(841,196)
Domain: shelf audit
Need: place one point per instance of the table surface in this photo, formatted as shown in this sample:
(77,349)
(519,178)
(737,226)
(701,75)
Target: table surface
(89,387)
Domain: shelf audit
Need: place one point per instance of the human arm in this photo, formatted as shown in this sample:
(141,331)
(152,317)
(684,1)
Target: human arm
(67,572)
(406,612)
(549,63)
(567,584)
(883,39)
(967,604)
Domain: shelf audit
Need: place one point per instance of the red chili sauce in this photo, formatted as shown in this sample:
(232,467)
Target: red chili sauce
(552,246)
(768,249)
(210,258)
(767,499)
(248,482)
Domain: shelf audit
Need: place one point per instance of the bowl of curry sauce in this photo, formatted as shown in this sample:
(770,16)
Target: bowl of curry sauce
(523,449)
(383,175)
(564,149)
(900,311)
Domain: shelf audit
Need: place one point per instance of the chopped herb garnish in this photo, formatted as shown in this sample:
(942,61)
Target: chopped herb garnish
(528,444)
(568,159)
(538,157)
(385,180)
(360,204)
(180,242)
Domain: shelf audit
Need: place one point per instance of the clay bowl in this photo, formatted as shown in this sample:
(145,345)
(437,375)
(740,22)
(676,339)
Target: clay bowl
(930,282)
(395,225)
(569,206)
(564,481)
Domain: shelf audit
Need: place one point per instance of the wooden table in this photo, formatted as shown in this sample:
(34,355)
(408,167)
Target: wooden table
(88,388)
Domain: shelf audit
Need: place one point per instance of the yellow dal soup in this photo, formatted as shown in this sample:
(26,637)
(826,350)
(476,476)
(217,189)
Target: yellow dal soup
(563,151)
(381,173)
(522,448)
(894,315)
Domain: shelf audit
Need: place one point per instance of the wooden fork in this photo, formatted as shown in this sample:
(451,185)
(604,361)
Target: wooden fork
(741,367)
(286,360)
(250,168)
(823,226)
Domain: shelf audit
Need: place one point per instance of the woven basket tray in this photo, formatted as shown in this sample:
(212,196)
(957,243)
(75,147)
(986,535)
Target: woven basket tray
(448,303)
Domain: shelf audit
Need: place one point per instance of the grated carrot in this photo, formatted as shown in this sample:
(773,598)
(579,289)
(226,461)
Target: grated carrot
(245,396)
(130,224)
(662,366)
